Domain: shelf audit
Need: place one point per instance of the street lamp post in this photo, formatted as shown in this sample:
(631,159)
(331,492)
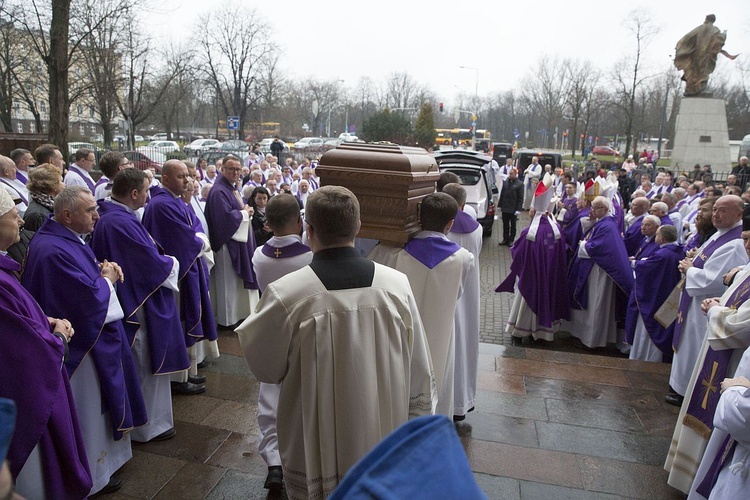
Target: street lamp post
(474,113)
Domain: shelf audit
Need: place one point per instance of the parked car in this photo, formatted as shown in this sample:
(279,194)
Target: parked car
(143,161)
(605,151)
(75,146)
(501,151)
(522,159)
(234,146)
(162,147)
(471,168)
(198,146)
(309,145)
(97,138)
(138,138)
(211,156)
(158,137)
(265,145)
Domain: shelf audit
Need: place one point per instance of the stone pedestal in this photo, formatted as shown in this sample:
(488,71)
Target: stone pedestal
(701,135)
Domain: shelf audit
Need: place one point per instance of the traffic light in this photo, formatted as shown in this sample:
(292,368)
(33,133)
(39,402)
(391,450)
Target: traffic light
(441,107)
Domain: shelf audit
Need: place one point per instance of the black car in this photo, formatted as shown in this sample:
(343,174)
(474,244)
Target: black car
(474,171)
(501,151)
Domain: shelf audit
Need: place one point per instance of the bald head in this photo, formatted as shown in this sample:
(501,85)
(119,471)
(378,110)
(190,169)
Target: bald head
(640,206)
(727,211)
(175,177)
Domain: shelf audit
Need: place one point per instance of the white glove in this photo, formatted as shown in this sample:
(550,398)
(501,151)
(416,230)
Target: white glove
(517,213)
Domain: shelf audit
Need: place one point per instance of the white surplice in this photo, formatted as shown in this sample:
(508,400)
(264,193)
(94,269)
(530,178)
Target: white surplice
(596,325)
(701,284)
(643,348)
(728,328)
(354,364)
(232,302)
(267,270)
(466,322)
(437,291)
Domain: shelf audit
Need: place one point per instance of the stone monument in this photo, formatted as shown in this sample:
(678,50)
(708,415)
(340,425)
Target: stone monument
(701,132)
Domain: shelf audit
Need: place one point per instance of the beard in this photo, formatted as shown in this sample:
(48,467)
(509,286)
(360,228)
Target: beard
(703,226)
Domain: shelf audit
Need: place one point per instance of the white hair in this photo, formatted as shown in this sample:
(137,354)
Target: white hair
(653,219)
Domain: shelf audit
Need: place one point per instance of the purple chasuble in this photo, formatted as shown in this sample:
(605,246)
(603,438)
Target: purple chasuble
(571,211)
(698,263)
(120,237)
(540,267)
(666,221)
(224,216)
(62,274)
(655,278)
(707,390)
(431,251)
(633,237)
(646,248)
(75,170)
(464,223)
(30,364)
(169,220)
(606,249)
(286,252)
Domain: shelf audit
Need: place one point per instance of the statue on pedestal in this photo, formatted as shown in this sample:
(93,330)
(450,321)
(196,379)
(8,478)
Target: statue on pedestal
(696,55)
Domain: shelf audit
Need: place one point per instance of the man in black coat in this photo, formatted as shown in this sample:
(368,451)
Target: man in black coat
(625,186)
(511,202)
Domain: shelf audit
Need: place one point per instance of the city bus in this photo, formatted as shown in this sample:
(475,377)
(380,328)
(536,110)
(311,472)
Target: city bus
(461,137)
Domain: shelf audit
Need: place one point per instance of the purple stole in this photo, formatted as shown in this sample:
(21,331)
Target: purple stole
(431,251)
(288,180)
(102,180)
(292,250)
(698,263)
(74,169)
(726,449)
(20,195)
(706,393)
(464,223)
(21,177)
(313,183)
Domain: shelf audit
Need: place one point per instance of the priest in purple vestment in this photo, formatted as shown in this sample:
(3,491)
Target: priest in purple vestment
(147,297)
(633,236)
(655,277)
(171,223)
(32,349)
(233,244)
(600,278)
(67,280)
(539,265)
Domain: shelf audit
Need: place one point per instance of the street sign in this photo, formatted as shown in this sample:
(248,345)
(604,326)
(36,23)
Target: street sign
(233,122)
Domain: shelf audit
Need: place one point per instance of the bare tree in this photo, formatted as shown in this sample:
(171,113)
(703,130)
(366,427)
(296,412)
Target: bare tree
(628,74)
(583,81)
(234,43)
(545,89)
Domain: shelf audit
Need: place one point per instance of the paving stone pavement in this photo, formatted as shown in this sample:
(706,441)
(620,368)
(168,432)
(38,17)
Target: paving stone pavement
(550,423)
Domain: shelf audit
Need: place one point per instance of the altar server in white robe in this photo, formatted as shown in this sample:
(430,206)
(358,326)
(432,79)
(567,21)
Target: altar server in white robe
(727,336)
(345,337)
(282,254)
(467,232)
(704,279)
(437,269)
(531,178)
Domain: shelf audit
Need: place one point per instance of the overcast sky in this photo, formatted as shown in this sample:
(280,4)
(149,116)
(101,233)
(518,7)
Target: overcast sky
(430,39)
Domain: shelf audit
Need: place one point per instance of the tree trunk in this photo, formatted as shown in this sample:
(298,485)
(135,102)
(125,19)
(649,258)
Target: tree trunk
(57,65)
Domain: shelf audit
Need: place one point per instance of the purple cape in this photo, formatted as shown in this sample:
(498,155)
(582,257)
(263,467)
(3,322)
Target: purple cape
(464,223)
(224,215)
(541,267)
(172,224)
(30,355)
(62,274)
(633,237)
(120,237)
(655,278)
(607,250)
(431,251)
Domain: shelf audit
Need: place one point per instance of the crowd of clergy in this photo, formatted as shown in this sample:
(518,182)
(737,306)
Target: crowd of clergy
(113,289)
(659,268)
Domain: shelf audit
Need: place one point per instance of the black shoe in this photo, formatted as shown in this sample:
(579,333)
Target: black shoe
(113,485)
(503,243)
(197,379)
(459,418)
(187,388)
(202,364)
(275,478)
(168,434)
(674,399)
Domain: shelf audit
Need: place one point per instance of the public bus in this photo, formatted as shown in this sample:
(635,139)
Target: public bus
(461,137)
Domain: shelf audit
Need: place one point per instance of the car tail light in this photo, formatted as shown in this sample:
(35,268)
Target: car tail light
(491,210)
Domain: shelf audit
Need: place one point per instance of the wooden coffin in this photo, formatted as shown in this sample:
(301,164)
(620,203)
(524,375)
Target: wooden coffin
(388,180)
